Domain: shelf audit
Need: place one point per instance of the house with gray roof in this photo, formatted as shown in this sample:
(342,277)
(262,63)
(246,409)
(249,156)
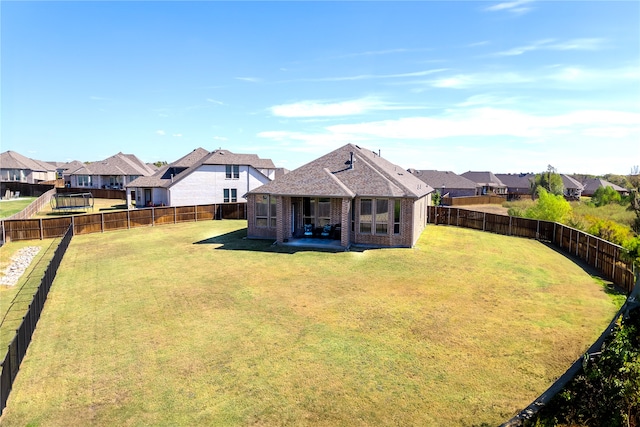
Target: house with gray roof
(14,167)
(351,196)
(448,183)
(591,185)
(518,184)
(572,187)
(488,182)
(114,172)
(202,177)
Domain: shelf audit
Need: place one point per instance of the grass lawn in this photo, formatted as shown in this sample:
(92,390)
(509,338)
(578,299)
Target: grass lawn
(12,207)
(189,324)
(15,300)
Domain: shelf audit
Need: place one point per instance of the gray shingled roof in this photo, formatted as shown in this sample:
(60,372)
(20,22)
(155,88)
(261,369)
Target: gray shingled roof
(182,167)
(591,185)
(118,164)
(516,180)
(448,179)
(332,176)
(571,183)
(225,157)
(13,160)
(484,178)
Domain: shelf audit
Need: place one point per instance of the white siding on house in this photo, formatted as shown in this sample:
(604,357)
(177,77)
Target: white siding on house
(206,185)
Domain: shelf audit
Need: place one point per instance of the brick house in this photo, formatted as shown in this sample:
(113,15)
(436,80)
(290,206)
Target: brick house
(350,195)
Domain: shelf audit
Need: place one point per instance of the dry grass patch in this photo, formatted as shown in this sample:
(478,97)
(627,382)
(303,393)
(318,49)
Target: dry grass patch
(144,327)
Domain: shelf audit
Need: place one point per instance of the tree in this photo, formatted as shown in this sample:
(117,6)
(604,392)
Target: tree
(159,163)
(605,196)
(550,180)
(549,207)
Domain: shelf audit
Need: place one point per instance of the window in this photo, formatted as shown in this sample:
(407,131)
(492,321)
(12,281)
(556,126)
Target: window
(232,171)
(366,217)
(396,217)
(14,175)
(230,195)
(265,211)
(374,216)
(316,211)
(84,181)
(382,216)
(272,212)
(324,212)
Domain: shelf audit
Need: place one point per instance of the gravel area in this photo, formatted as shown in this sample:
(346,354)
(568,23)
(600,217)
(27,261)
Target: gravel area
(19,263)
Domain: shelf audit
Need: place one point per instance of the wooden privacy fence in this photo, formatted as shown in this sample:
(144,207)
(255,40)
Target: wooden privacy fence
(604,256)
(473,200)
(35,206)
(18,346)
(45,228)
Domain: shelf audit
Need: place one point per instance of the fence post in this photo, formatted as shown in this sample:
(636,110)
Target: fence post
(153,216)
(570,239)
(510,221)
(458,218)
(41,230)
(597,252)
(555,239)
(102,222)
(484,219)
(175,214)
(577,242)
(538,230)
(128,220)
(588,247)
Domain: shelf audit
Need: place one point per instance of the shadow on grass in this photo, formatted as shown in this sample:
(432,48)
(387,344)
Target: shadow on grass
(237,241)
(609,287)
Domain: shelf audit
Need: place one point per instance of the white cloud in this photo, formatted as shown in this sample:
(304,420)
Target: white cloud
(214,101)
(516,7)
(315,108)
(589,44)
(474,122)
(249,79)
(220,138)
(374,76)
(177,135)
(160,132)
(462,81)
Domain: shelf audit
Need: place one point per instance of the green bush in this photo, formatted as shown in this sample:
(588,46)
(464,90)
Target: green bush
(549,207)
(607,391)
(604,196)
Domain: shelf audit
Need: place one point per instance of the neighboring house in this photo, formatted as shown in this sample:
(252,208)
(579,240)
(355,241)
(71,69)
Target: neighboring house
(15,167)
(591,185)
(64,168)
(518,184)
(114,172)
(202,177)
(572,188)
(488,183)
(448,183)
(350,195)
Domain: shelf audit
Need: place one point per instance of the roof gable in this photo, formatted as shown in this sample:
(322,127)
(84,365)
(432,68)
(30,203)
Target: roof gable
(447,179)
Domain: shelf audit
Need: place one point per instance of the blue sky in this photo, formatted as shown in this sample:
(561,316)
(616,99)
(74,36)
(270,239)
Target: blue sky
(502,86)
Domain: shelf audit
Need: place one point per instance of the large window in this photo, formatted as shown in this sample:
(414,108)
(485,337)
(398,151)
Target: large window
(374,216)
(230,195)
(265,211)
(232,171)
(84,181)
(13,175)
(317,211)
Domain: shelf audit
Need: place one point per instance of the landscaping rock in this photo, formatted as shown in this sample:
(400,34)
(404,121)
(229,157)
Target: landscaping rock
(19,263)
